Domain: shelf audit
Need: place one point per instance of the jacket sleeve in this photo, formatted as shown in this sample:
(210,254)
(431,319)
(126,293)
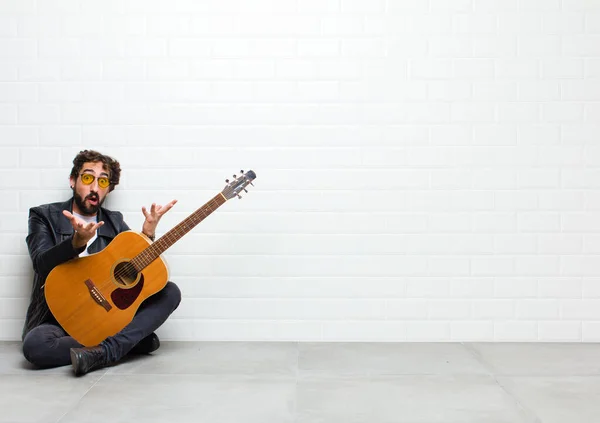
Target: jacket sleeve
(45,255)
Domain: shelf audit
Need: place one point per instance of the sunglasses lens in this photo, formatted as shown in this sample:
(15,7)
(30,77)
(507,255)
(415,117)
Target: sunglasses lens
(87,178)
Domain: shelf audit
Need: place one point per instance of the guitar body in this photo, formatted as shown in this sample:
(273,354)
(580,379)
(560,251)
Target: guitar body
(95,296)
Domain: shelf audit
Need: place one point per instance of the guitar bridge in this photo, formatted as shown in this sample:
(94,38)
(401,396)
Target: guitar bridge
(97,295)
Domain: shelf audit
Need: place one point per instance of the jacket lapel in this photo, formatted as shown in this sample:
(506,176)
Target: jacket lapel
(63,226)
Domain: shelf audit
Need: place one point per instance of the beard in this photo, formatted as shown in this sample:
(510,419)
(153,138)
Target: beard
(90,210)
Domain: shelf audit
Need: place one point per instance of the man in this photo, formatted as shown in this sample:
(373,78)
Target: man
(59,232)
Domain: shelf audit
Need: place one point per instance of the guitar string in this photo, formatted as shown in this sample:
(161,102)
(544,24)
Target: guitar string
(174,231)
(150,252)
(177,230)
(144,255)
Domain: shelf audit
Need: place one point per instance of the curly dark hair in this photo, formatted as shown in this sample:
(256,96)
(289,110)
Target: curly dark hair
(85,156)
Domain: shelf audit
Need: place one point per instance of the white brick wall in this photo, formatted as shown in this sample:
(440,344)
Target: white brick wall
(427,169)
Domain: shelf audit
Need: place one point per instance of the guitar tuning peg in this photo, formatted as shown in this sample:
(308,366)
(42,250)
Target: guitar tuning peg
(239,196)
(227,180)
(251,184)
(242,172)
(234,176)
(245,190)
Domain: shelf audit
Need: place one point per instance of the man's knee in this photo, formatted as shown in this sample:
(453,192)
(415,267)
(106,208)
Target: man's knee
(35,350)
(42,346)
(173,294)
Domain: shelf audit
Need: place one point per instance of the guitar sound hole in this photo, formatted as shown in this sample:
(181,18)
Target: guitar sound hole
(125,274)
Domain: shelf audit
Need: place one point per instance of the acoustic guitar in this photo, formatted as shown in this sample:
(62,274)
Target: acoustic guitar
(95,296)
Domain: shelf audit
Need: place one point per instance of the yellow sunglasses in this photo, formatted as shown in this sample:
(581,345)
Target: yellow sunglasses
(88,178)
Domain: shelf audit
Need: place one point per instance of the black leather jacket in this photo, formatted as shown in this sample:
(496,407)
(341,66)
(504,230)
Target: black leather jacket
(50,243)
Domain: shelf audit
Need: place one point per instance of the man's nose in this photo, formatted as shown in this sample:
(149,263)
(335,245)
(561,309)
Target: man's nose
(94,188)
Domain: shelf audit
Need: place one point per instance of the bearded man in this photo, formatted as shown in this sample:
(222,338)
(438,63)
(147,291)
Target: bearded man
(59,232)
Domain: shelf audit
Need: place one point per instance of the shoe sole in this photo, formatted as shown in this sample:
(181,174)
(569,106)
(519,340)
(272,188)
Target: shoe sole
(74,361)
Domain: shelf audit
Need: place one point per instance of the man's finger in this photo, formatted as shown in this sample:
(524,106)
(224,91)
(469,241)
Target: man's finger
(168,206)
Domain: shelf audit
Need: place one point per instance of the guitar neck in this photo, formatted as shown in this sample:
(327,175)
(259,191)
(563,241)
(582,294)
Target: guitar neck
(154,250)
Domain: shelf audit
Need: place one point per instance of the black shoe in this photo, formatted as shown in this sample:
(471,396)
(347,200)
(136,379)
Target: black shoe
(147,345)
(86,359)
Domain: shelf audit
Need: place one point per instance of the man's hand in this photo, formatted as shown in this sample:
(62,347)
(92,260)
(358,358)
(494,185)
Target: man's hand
(153,217)
(83,231)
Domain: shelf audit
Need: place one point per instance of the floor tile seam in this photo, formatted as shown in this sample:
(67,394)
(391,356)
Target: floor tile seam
(523,409)
(69,409)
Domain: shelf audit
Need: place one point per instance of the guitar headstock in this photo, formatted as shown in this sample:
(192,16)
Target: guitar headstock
(239,184)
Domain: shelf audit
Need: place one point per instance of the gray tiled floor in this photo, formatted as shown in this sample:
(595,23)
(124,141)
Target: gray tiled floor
(229,382)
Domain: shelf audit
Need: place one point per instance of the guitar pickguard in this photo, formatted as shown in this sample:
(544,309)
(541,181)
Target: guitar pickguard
(124,298)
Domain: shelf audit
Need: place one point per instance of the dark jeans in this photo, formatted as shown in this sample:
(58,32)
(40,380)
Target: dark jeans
(49,345)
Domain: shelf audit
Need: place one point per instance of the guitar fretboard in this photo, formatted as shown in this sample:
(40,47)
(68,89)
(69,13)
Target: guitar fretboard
(154,250)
